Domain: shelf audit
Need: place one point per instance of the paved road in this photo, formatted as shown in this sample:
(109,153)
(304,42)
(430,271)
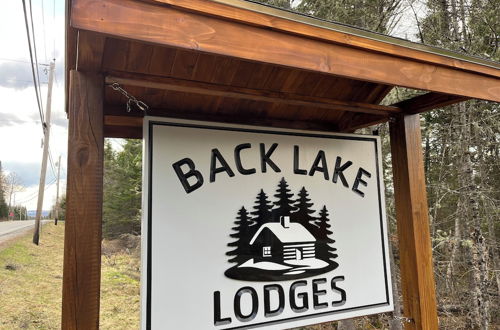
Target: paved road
(8,229)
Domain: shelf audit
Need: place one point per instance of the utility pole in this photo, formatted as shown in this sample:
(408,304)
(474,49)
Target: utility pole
(57,194)
(10,198)
(46,130)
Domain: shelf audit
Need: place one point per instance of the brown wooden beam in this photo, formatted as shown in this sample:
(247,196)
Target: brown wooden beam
(428,101)
(164,25)
(273,18)
(125,127)
(350,121)
(119,123)
(71,45)
(82,239)
(90,51)
(217,90)
(123,132)
(417,276)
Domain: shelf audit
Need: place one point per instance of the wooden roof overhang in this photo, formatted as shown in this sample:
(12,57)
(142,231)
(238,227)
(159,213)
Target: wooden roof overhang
(236,61)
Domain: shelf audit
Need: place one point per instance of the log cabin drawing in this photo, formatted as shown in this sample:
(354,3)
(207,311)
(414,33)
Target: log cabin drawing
(283,241)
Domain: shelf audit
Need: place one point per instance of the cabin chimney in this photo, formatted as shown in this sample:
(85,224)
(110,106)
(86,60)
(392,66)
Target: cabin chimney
(285,221)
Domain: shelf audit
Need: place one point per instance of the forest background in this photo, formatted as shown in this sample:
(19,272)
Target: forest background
(461,146)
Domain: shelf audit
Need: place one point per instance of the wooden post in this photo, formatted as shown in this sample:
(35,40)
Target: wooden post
(417,276)
(82,241)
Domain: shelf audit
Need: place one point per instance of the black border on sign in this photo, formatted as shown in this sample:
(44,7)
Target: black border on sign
(257,131)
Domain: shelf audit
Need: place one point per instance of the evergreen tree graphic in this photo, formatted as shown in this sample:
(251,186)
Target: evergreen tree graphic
(323,250)
(284,204)
(262,211)
(304,213)
(241,252)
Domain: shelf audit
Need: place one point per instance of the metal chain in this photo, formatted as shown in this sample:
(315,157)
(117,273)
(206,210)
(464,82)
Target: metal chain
(130,98)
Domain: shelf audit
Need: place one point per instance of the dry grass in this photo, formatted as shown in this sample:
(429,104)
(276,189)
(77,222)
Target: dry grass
(31,281)
(31,284)
(120,286)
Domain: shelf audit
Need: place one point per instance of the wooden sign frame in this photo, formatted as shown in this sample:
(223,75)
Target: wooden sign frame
(171,67)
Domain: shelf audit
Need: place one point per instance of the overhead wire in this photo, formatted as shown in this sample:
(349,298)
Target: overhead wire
(32,67)
(54,29)
(20,61)
(36,75)
(52,164)
(36,57)
(44,34)
(35,194)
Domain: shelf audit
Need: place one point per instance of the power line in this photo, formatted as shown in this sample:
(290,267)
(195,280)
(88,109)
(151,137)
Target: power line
(54,29)
(35,194)
(10,80)
(52,163)
(36,56)
(21,61)
(32,67)
(43,30)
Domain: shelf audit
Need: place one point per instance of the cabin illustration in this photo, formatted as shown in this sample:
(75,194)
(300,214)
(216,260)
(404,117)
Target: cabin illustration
(283,241)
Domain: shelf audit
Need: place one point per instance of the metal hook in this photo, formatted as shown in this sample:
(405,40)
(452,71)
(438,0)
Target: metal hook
(130,98)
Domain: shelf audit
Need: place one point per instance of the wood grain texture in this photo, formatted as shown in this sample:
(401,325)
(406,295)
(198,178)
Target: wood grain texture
(124,123)
(82,240)
(90,51)
(123,132)
(351,121)
(231,72)
(428,101)
(417,276)
(70,50)
(312,30)
(217,90)
(172,27)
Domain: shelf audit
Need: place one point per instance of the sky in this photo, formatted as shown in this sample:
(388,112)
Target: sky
(20,126)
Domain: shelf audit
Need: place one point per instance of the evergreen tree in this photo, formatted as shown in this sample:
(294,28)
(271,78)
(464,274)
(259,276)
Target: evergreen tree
(323,249)
(284,204)
(20,212)
(262,213)
(122,189)
(4,212)
(375,15)
(304,213)
(241,246)
(465,159)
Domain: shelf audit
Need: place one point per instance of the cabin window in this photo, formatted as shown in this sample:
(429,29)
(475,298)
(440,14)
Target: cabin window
(266,251)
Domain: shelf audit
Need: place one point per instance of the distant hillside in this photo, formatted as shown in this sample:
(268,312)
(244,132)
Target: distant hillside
(32,213)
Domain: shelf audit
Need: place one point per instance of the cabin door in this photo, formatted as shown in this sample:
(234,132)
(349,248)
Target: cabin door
(298,254)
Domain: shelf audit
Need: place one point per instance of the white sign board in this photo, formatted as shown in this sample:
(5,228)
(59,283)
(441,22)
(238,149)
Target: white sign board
(250,227)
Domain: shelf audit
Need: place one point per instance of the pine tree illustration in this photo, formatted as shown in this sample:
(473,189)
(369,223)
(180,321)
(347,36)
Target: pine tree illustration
(241,252)
(323,249)
(284,204)
(262,213)
(304,213)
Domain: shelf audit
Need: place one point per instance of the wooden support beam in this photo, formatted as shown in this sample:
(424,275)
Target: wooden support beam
(217,90)
(125,127)
(164,25)
(417,276)
(350,121)
(120,124)
(82,240)
(428,101)
(90,51)
(71,44)
(253,13)
(123,132)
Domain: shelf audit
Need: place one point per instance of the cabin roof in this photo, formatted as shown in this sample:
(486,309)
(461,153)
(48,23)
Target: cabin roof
(294,233)
(241,62)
